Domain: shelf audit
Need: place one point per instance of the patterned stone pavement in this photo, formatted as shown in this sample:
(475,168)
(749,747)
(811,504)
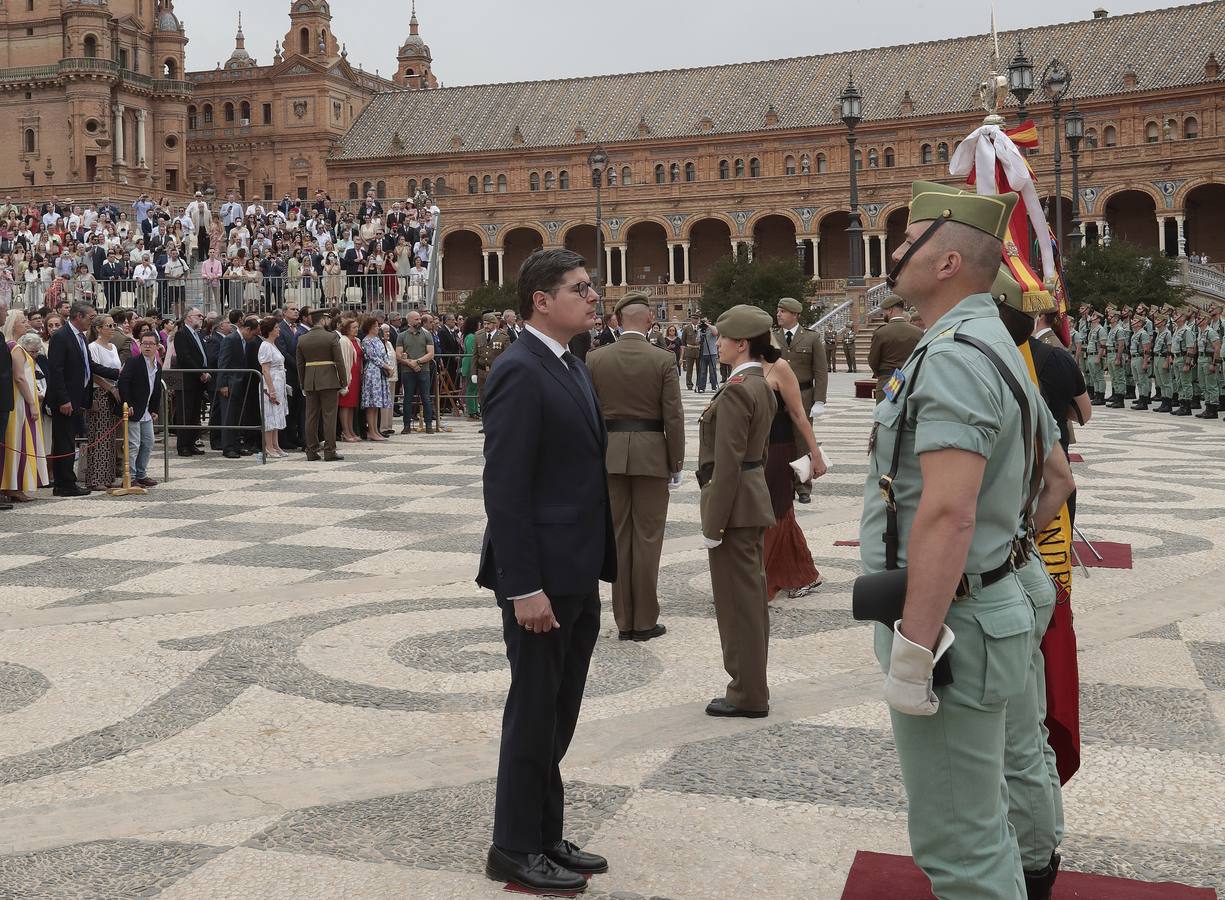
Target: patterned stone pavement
(281,681)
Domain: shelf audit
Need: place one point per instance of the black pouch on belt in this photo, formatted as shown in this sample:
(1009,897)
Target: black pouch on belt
(879,598)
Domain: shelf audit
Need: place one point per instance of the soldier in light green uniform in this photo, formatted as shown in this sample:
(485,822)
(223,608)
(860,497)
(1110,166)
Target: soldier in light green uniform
(1125,315)
(1095,351)
(1140,348)
(1209,361)
(961,439)
(1116,349)
(1182,365)
(1163,363)
(1080,333)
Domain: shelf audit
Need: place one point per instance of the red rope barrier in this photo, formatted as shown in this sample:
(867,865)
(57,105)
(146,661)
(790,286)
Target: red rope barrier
(87,447)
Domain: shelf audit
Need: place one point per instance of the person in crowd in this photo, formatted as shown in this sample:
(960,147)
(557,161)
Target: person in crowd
(892,343)
(211,271)
(673,344)
(289,329)
(272,387)
(387,414)
(350,394)
(415,355)
(190,353)
(140,387)
(101,460)
(323,373)
(216,401)
(25,464)
(236,386)
(377,367)
(733,434)
(708,357)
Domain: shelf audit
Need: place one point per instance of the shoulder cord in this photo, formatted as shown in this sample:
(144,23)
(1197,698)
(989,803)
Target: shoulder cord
(1033,461)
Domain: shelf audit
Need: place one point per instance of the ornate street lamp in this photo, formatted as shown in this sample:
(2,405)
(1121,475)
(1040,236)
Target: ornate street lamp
(1056,80)
(1021,79)
(598,161)
(1074,130)
(852,115)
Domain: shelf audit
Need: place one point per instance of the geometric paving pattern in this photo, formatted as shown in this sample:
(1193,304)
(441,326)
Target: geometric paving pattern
(281,681)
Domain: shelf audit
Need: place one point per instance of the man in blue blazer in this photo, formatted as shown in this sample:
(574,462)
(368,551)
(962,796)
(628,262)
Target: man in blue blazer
(69,393)
(548,543)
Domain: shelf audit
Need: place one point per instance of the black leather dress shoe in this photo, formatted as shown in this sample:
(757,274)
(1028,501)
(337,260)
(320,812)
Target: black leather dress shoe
(231,454)
(625,635)
(532,873)
(74,490)
(720,707)
(332,457)
(569,856)
(804,498)
(650,633)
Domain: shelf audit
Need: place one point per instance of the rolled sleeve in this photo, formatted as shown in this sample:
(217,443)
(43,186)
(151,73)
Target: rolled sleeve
(957,408)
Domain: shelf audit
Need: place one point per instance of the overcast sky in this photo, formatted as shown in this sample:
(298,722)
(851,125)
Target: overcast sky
(477,41)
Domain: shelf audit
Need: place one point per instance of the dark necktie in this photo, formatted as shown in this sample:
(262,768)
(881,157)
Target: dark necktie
(580,382)
(788,339)
(85,353)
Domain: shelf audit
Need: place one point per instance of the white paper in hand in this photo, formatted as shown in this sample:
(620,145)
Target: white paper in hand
(802,468)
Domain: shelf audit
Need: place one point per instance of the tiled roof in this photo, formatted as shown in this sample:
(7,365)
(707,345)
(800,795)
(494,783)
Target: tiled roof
(1164,48)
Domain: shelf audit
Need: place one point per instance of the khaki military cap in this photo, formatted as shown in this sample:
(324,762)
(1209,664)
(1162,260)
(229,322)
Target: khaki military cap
(1005,289)
(633,298)
(743,322)
(893,300)
(1095,313)
(489,317)
(791,305)
(986,212)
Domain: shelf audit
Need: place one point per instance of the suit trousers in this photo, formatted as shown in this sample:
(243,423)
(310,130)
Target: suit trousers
(548,673)
(64,433)
(218,411)
(738,578)
(639,506)
(953,763)
(321,409)
(848,353)
(188,405)
(691,362)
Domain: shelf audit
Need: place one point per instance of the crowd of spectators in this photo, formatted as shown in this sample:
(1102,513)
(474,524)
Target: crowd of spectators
(220,254)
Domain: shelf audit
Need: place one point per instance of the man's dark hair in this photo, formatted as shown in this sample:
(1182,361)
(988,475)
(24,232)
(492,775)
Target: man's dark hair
(235,316)
(79,308)
(543,271)
(1020,326)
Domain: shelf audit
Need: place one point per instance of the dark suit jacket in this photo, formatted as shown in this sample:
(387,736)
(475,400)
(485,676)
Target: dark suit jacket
(6,383)
(231,356)
(67,373)
(134,387)
(188,355)
(549,525)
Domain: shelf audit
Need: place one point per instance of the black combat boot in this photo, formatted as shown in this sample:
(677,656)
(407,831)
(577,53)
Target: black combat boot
(1210,411)
(1099,399)
(1141,403)
(1165,406)
(1197,402)
(1184,409)
(1131,392)
(1038,885)
(1116,401)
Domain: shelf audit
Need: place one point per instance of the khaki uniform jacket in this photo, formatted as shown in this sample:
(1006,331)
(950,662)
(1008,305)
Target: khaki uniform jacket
(735,497)
(891,347)
(634,379)
(806,356)
(691,337)
(489,346)
(315,348)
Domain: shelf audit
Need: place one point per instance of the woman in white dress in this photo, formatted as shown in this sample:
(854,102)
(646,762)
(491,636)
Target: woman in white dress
(273,396)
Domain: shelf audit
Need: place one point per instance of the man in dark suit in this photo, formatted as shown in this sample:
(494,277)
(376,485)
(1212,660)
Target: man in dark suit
(189,353)
(548,544)
(212,356)
(289,329)
(236,387)
(68,394)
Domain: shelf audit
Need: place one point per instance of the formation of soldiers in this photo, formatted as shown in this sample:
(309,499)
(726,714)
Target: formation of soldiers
(1168,357)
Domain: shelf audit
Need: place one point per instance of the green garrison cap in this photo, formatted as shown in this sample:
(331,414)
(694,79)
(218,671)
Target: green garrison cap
(893,300)
(986,212)
(791,305)
(743,322)
(641,298)
(1005,289)
(489,317)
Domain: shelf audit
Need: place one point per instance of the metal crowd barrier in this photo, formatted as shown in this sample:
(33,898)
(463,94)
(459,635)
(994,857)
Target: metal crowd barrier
(252,378)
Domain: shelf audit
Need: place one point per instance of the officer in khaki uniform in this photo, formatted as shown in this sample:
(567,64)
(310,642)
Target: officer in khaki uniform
(640,399)
(733,433)
(848,347)
(958,428)
(322,373)
(892,343)
(831,347)
(490,343)
(804,351)
(691,339)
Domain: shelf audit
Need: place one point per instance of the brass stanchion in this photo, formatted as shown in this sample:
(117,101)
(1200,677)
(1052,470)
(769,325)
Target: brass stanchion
(127,469)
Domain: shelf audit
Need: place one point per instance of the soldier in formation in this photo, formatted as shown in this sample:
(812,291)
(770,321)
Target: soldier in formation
(847,336)
(1208,357)
(1095,350)
(1140,348)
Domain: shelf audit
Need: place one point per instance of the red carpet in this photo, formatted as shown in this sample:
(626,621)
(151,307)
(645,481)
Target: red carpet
(846,543)
(1075,457)
(880,876)
(1114,556)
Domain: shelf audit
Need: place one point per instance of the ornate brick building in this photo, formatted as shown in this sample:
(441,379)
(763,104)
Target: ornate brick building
(94,98)
(754,155)
(267,130)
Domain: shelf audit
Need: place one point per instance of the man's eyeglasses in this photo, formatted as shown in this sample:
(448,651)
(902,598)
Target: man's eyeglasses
(581,288)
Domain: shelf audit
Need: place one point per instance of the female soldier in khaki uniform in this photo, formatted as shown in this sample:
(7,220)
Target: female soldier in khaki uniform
(736,509)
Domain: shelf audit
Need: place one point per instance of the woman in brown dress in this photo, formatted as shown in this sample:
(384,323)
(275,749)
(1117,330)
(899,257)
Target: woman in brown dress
(789,564)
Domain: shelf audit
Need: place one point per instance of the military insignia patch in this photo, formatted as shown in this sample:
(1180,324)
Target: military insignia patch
(894,385)
(735,379)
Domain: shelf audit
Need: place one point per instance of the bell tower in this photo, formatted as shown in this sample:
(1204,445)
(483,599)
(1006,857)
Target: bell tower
(310,31)
(414,63)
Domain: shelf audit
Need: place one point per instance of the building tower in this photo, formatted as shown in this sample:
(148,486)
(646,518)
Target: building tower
(415,64)
(310,31)
(240,58)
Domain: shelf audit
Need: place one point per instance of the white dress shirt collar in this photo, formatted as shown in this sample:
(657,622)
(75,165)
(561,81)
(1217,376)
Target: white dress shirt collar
(630,331)
(1042,332)
(793,330)
(558,349)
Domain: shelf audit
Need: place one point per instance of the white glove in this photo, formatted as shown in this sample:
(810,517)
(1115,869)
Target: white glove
(818,410)
(709,544)
(474,379)
(908,686)
(674,481)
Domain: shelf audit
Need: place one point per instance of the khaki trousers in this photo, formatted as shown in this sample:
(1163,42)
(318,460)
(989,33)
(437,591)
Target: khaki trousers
(738,577)
(321,412)
(639,506)
(691,363)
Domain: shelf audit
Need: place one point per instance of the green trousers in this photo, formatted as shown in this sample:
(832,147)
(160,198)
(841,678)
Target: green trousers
(1035,799)
(1141,377)
(1163,373)
(1118,378)
(953,763)
(1210,382)
(1097,378)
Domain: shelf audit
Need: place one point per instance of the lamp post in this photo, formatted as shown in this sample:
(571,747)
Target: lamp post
(1074,130)
(1056,80)
(598,160)
(1021,79)
(852,115)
